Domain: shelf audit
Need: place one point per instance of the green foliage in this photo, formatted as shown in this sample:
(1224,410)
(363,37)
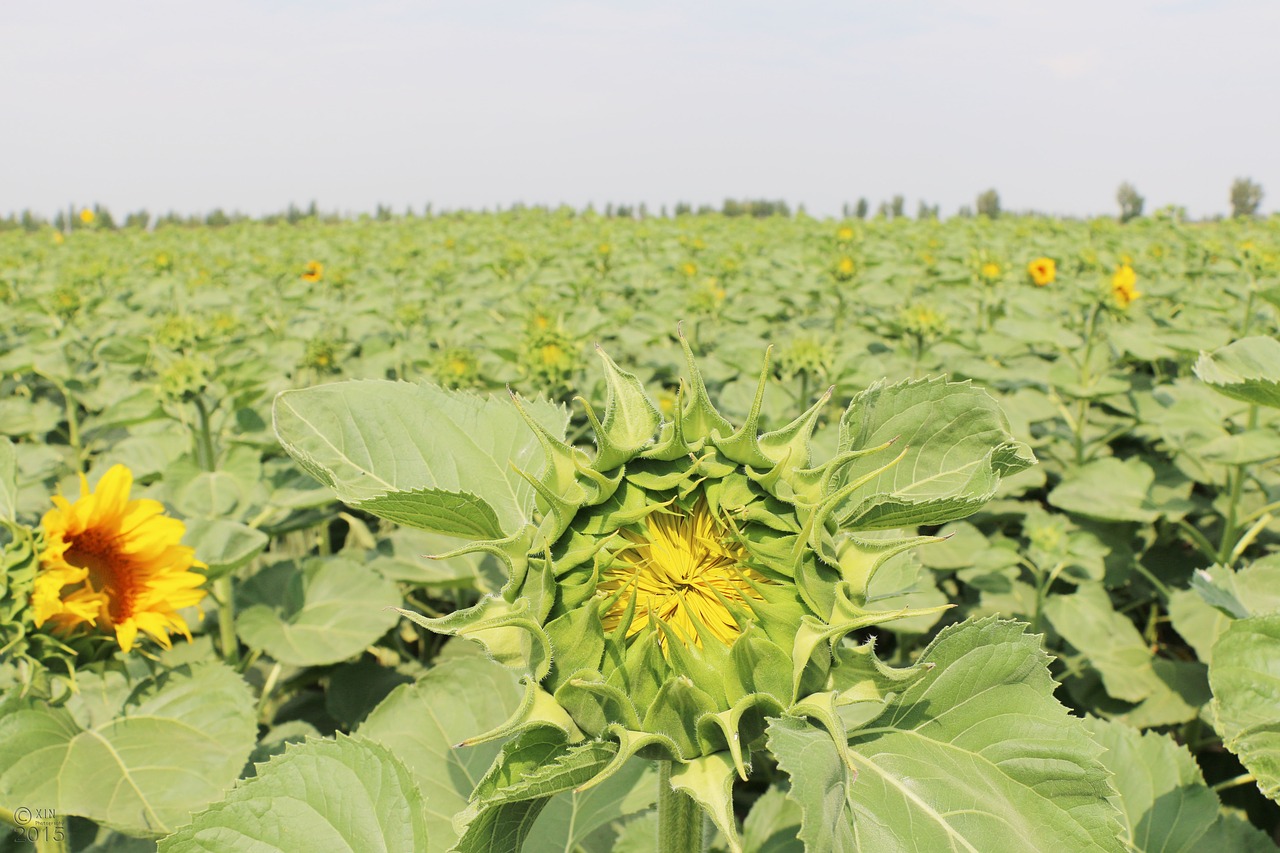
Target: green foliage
(133,756)
(1244,674)
(1164,803)
(344,794)
(1038,771)
(425,724)
(1142,545)
(8,481)
(1247,370)
(958,447)
(458,474)
(323,611)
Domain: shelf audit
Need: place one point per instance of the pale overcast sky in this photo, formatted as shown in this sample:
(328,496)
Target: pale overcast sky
(253,105)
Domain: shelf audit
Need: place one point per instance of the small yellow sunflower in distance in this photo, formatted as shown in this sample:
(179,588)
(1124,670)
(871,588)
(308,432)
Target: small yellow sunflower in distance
(114,564)
(1124,286)
(1042,271)
(313,272)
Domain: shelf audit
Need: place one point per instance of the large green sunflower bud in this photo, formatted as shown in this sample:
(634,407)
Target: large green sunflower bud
(692,579)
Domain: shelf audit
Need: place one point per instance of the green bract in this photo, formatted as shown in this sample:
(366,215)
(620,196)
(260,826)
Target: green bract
(694,579)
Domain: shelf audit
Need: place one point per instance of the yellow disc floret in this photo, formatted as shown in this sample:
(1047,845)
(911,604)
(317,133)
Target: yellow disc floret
(685,571)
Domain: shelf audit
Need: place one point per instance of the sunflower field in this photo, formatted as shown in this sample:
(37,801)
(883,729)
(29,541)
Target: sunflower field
(550,531)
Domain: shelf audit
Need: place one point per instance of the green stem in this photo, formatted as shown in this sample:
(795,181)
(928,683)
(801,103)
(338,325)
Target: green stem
(207,460)
(1235,477)
(267,687)
(1091,325)
(1249,535)
(1202,541)
(1258,513)
(262,517)
(1242,779)
(227,619)
(1044,581)
(1155,582)
(1086,376)
(679,817)
(1081,421)
(1248,309)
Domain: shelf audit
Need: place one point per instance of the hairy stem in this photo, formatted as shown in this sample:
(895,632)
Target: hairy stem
(679,817)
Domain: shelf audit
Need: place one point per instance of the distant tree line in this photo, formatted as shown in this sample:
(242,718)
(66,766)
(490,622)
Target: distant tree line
(1246,200)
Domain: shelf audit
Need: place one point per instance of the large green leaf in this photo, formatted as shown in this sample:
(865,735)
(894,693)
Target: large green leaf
(137,758)
(572,816)
(338,795)
(820,783)
(320,612)
(773,825)
(1234,833)
(532,767)
(1220,594)
(957,447)
(1165,804)
(423,724)
(978,756)
(1151,691)
(1247,370)
(1113,645)
(222,545)
(1245,677)
(419,455)
(1114,490)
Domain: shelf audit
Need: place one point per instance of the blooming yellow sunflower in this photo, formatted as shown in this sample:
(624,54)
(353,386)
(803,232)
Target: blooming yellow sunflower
(1124,286)
(684,571)
(87,216)
(114,564)
(1042,271)
(314,271)
(845,234)
(990,271)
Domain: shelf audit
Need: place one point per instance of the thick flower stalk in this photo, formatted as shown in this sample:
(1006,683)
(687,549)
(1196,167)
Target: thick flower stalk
(691,580)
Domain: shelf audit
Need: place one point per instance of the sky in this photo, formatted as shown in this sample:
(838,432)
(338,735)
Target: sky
(251,106)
